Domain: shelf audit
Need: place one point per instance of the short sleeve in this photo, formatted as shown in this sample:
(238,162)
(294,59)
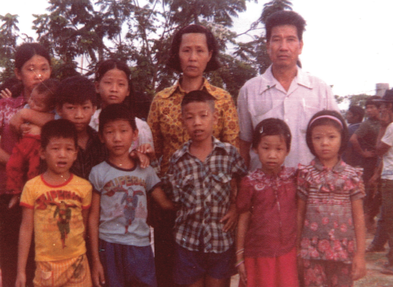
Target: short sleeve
(230,127)
(28,197)
(86,201)
(244,196)
(245,121)
(152,179)
(355,185)
(239,168)
(95,180)
(302,183)
(388,136)
(362,130)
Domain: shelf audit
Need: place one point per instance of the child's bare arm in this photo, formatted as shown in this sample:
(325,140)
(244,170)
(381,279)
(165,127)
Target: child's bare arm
(159,195)
(97,272)
(359,262)
(29,115)
(242,227)
(25,235)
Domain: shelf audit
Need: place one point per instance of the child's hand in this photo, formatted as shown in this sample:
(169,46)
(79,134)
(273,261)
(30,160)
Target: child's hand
(146,149)
(5,94)
(230,218)
(20,280)
(143,159)
(242,273)
(358,267)
(97,274)
(25,129)
(13,201)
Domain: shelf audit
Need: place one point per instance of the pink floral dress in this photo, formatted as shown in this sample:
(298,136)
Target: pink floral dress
(328,232)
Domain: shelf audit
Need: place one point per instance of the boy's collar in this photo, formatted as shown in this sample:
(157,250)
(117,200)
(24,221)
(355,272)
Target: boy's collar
(186,148)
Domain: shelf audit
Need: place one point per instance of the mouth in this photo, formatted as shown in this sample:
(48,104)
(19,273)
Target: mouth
(61,164)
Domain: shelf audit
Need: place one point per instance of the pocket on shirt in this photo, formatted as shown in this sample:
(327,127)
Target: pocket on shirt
(221,187)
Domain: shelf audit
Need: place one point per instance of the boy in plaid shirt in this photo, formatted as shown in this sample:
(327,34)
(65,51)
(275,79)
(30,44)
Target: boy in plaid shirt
(200,181)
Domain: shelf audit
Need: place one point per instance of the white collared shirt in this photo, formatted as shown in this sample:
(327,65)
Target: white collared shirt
(264,97)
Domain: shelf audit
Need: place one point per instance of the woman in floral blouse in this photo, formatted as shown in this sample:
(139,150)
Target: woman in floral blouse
(193,52)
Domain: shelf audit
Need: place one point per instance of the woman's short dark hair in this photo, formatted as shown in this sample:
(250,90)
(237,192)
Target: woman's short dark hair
(174,61)
(272,127)
(331,118)
(27,51)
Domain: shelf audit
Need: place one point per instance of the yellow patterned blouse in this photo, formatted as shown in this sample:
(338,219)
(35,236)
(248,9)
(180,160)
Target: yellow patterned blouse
(166,126)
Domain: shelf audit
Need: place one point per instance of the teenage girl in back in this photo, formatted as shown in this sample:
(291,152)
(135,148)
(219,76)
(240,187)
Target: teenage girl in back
(331,227)
(266,239)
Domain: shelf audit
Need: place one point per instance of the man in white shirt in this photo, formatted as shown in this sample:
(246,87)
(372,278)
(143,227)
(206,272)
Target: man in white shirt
(284,91)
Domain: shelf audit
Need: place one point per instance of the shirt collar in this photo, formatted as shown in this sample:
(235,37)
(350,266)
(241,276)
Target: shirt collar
(339,167)
(205,85)
(185,149)
(283,174)
(269,81)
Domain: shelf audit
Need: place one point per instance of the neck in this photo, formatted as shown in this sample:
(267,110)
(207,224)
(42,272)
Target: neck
(56,178)
(284,75)
(191,84)
(201,149)
(330,163)
(124,161)
(83,137)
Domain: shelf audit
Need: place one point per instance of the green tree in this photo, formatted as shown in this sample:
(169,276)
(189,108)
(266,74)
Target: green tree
(9,33)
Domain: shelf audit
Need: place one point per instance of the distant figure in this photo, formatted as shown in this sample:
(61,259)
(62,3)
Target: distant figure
(354,117)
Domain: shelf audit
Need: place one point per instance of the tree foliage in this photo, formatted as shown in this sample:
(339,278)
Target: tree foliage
(139,32)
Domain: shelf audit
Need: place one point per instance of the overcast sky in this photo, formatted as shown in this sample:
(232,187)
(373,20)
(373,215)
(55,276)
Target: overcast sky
(347,43)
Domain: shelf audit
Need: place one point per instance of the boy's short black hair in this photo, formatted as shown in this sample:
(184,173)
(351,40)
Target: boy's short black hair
(358,112)
(76,90)
(281,18)
(116,112)
(374,101)
(48,88)
(326,117)
(58,129)
(199,96)
(272,127)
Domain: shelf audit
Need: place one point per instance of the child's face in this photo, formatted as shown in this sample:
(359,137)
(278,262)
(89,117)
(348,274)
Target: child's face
(78,114)
(272,151)
(199,120)
(118,136)
(37,102)
(113,87)
(59,154)
(326,140)
(372,111)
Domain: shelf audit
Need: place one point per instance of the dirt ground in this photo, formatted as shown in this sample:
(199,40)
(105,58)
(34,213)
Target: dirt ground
(374,277)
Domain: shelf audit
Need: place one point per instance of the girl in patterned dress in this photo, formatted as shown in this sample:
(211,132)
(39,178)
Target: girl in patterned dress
(331,230)
(266,203)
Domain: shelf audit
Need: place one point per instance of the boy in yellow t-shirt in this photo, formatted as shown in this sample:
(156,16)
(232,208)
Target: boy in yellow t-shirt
(55,206)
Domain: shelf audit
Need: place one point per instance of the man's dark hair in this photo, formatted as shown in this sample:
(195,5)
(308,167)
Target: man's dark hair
(357,112)
(272,127)
(116,112)
(198,96)
(174,60)
(281,18)
(58,129)
(76,90)
(374,101)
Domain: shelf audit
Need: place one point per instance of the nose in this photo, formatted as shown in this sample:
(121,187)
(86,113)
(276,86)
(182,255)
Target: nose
(284,45)
(114,87)
(116,136)
(62,152)
(193,55)
(38,76)
(78,113)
